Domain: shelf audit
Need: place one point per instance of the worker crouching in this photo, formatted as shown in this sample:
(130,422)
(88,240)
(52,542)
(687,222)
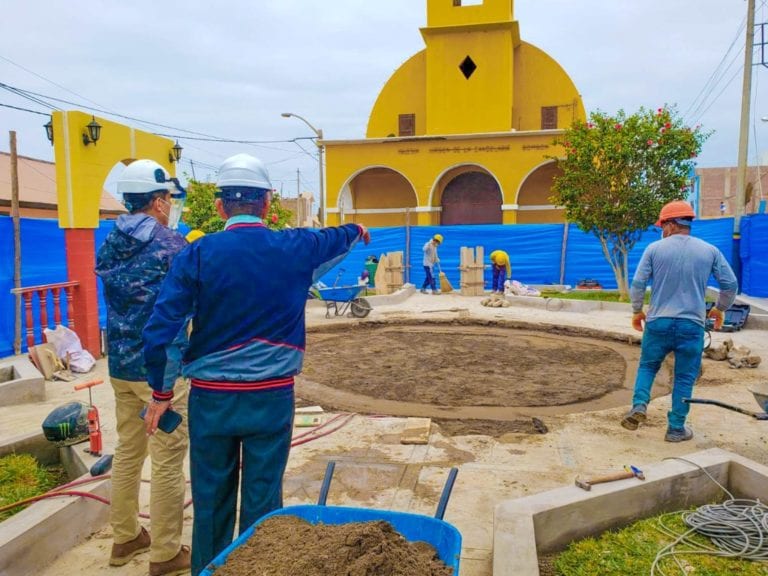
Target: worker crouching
(502,270)
(246,289)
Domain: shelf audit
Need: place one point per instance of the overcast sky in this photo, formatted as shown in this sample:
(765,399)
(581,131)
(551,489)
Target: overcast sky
(229,69)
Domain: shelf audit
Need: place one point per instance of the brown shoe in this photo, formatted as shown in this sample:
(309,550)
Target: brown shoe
(124,553)
(179,564)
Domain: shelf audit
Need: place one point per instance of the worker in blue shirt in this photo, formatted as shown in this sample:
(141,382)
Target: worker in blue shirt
(679,267)
(246,290)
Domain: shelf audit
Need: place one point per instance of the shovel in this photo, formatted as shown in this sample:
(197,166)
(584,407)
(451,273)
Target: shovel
(760,397)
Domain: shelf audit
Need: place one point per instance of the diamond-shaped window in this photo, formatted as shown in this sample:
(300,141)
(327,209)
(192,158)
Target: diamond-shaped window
(467,67)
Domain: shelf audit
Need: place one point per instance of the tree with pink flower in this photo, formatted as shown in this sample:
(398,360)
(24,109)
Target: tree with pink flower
(617,173)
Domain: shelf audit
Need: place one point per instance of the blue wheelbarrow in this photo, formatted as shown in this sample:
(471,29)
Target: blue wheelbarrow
(344,299)
(441,535)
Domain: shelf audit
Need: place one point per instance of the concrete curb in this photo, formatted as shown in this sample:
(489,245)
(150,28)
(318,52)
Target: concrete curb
(25,386)
(547,522)
(36,536)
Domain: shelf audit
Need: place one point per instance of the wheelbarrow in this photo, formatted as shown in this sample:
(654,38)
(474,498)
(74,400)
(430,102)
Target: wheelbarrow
(344,298)
(761,397)
(444,537)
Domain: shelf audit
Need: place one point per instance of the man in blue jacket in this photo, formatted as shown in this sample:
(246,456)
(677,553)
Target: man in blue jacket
(132,264)
(246,289)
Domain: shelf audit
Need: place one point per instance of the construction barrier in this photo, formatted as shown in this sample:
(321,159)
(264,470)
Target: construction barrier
(539,253)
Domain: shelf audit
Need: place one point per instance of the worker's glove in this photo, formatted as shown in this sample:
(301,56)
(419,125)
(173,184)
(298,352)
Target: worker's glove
(638,320)
(717,316)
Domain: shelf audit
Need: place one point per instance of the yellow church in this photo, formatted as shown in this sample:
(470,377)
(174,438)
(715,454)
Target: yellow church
(461,132)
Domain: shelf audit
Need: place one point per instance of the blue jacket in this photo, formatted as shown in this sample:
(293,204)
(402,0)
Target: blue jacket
(132,264)
(246,289)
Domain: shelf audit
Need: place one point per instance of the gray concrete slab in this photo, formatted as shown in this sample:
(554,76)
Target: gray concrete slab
(20,382)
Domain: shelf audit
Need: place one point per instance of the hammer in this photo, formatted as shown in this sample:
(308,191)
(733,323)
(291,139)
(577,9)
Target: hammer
(630,472)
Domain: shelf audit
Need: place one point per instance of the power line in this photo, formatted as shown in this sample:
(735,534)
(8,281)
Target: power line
(25,109)
(30,95)
(709,85)
(46,79)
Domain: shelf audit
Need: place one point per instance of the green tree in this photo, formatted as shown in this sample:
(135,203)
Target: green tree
(200,212)
(617,173)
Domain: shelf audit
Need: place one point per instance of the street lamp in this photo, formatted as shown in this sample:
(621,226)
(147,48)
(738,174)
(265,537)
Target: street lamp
(319,134)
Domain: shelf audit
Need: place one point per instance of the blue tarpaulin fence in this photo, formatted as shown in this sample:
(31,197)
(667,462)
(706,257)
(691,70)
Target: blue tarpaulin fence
(535,251)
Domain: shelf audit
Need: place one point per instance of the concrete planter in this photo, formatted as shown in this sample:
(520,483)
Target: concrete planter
(20,383)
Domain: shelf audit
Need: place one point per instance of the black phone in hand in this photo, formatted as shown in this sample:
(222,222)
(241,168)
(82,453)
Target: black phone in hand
(169,421)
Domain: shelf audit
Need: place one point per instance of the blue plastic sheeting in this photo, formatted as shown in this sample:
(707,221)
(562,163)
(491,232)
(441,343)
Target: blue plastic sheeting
(42,262)
(754,255)
(534,249)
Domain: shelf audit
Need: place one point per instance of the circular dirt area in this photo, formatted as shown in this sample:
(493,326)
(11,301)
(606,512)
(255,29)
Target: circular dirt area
(463,366)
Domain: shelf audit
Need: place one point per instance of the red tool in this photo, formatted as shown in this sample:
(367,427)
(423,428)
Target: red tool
(94,425)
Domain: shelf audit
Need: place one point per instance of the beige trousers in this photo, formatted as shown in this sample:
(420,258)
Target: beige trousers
(167,451)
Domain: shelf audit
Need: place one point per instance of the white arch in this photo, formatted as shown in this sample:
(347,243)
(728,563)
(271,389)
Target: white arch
(345,194)
(523,181)
(436,183)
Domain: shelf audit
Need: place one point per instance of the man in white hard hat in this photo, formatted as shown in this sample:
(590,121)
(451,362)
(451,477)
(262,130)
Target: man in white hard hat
(132,264)
(246,289)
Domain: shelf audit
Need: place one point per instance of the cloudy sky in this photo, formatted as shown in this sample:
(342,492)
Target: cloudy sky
(228,69)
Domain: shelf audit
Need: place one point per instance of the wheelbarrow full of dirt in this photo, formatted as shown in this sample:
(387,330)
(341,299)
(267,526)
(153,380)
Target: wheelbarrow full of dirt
(761,397)
(442,536)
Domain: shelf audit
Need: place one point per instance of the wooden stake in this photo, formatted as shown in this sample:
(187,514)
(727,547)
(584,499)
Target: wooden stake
(16,240)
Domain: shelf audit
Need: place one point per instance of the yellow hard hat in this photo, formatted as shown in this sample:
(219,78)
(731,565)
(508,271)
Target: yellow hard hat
(193,235)
(438,238)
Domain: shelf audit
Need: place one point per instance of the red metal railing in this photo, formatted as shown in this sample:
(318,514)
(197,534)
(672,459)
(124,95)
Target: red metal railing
(42,302)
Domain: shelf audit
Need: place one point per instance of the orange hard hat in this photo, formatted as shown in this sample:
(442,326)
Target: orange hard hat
(674,210)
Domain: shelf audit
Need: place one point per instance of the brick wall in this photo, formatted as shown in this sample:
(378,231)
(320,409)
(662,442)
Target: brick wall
(719,185)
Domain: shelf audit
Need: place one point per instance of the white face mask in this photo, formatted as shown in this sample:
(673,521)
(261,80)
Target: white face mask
(174,213)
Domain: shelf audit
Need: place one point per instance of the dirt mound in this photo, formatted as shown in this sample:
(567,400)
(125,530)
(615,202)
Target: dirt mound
(288,545)
(464,366)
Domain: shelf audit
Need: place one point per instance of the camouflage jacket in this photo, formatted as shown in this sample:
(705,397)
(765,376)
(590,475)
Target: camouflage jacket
(132,264)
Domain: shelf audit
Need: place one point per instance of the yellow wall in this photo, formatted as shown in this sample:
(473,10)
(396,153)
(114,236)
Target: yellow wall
(490,122)
(404,93)
(82,170)
(380,188)
(425,163)
(481,103)
(443,13)
(541,81)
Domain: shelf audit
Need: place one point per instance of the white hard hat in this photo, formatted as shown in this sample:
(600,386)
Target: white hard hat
(143,177)
(243,170)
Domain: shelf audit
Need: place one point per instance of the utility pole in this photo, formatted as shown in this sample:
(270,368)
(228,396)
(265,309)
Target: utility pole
(298,183)
(741,174)
(16,240)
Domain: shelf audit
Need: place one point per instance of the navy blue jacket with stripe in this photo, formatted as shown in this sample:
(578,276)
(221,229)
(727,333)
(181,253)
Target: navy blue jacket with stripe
(246,289)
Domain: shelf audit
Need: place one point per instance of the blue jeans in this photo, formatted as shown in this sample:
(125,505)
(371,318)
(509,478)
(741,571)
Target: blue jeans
(225,427)
(499,276)
(429,281)
(661,336)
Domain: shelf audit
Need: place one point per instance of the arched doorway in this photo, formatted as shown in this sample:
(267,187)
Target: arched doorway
(377,196)
(534,205)
(472,197)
